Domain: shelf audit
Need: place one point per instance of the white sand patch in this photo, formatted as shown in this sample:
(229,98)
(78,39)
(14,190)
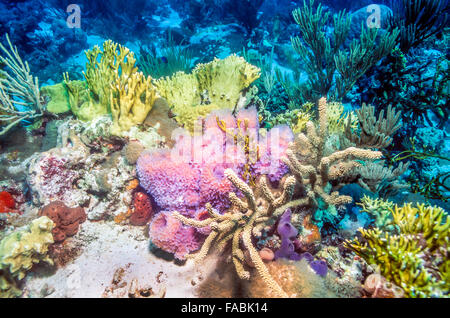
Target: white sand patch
(107,247)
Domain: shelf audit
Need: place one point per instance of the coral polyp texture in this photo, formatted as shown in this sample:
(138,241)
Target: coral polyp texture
(232,148)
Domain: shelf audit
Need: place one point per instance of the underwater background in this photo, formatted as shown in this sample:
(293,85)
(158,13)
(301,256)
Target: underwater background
(224,148)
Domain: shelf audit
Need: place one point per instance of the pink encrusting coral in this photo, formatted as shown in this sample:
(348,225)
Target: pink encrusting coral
(169,234)
(56,179)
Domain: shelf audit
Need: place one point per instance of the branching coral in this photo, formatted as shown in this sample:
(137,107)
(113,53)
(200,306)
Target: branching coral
(323,55)
(102,71)
(314,170)
(379,209)
(416,257)
(131,99)
(20,98)
(384,181)
(241,222)
(374,133)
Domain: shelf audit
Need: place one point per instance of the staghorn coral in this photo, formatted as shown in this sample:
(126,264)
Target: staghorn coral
(132,97)
(241,222)
(415,257)
(374,133)
(314,170)
(20,250)
(215,85)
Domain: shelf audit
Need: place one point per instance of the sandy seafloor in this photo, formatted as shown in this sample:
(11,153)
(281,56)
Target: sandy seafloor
(106,249)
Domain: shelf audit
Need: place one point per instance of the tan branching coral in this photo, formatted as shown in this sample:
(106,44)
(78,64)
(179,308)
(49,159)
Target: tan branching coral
(244,220)
(374,133)
(315,171)
(377,178)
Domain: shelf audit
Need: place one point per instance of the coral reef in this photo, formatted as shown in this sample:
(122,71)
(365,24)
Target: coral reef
(249,148)
(314,170)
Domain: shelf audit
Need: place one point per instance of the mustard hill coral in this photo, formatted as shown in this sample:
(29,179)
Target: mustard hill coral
(416,257)
(20,250)
(314,170)
(215,85)
(244,220)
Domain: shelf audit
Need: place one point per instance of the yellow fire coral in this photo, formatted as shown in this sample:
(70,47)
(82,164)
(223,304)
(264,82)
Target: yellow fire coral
(131,100)
(22,249)
(92,99)
(416,256)
(378,209)
(215,85)
(242,221)
(338,118)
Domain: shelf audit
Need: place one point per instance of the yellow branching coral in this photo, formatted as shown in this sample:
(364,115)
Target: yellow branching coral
(379,209)
(416,257)
(215,85)
(338,118)
(22,249)
(314,170)
(242,221)
(102,70)
(131,100)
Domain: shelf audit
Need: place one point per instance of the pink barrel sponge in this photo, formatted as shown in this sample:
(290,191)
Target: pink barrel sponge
(272,148)
(173,185)
(169,234)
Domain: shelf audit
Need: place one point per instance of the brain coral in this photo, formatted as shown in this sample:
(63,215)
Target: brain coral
(169,234)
